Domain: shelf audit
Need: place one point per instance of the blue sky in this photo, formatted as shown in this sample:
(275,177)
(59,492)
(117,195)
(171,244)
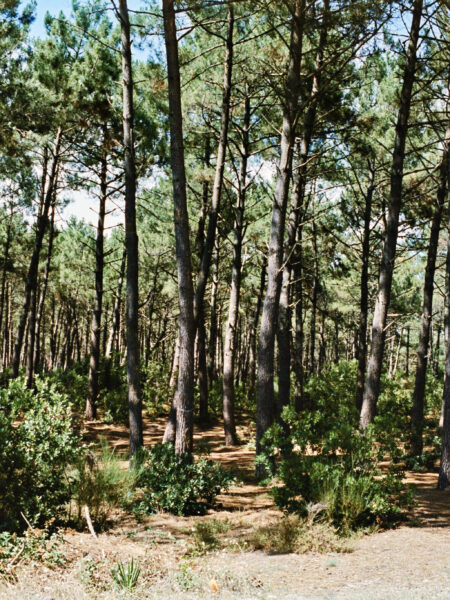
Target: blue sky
(54,6)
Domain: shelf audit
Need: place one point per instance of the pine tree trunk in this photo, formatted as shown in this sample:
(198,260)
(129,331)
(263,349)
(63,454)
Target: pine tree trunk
(291,251)
(229,352)
(31,282)
(212,346)
(269,318)
(131,238)
(254,329)
(372,385)
(96,323)
(417,412)
(444,470)
(185,387)
(361,351)
(40,311)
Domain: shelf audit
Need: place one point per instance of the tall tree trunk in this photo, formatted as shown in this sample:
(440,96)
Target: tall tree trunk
(31,281)
(6,255)
(131,238)
(40,311)
(266,350)
(229,352)
(116,309)
(202,375)
(96,323)
(417,412)
(316,287)
(213,321)
(254,329)
(185,387)
(220,169)
(364,294)
(291,252)
(444,470)
(372,386)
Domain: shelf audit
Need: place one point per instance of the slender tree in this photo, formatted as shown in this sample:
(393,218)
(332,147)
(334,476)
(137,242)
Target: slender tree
(372,385)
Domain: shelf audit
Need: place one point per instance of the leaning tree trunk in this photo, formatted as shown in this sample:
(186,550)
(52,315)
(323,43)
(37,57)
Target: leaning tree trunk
(417,412)
(31,281)
(185,386)
(266,348)
(229,352)
(131,238)
(372,386)
(361,350)
(96,323)
(444,470)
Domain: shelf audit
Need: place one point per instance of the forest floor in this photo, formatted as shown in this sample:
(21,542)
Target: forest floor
(411,562)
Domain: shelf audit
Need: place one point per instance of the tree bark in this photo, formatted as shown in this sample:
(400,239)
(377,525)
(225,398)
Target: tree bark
(96,323)
(364,294)
(229,352)
(444,469)
(293,251)
(266,347)
(417,412)
(31,282)
(40,310)
(131,237)
(372,386)
(185,387)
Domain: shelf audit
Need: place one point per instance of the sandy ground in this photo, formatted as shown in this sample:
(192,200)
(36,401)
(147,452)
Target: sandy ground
(411,562)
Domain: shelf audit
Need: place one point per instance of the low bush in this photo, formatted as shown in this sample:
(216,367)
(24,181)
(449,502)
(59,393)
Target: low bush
(175,483)
(100,483)
(326,460)
(293,534)
(37,443)
(205,535)
(34,545)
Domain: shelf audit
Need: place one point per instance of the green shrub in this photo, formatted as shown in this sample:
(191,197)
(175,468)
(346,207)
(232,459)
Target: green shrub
(100,482)
(177,484)
(205,535)
(114,405)
(73,383)
(37,443)
(156,391)
(36,546)
(327,461)
(295,534)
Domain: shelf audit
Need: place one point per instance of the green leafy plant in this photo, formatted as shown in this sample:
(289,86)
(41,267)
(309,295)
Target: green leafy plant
(37,444)
(187,487)
(325,460)
(205,535)
(126,575)
(293,534)
(100,482)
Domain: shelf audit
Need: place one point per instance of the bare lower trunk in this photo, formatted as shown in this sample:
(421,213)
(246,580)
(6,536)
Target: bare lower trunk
(444,470)
(31,282)
(364,296)
(185,387)
(229,352)
(417,413)
(96,324)
(266,347)
(131,238)
(372,386)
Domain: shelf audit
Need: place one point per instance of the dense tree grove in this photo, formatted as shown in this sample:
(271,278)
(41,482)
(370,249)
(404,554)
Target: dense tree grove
(267,183)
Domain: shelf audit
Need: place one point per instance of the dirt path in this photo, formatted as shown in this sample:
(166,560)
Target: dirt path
(408,563)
